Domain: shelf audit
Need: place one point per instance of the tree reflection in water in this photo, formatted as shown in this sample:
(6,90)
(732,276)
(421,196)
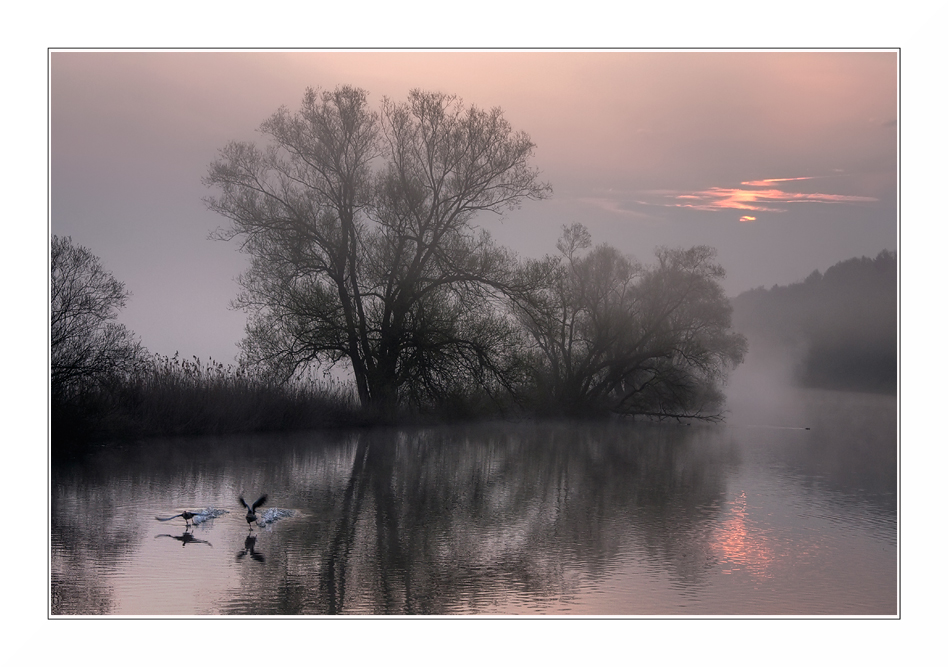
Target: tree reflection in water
(497,518)
(435,521)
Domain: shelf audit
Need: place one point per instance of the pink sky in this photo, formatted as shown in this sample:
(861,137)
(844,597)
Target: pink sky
(785,162)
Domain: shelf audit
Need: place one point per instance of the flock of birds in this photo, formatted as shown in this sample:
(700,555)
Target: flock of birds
(188,515)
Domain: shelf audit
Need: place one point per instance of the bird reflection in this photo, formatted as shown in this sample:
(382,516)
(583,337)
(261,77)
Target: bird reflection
(249,544)
(186,538)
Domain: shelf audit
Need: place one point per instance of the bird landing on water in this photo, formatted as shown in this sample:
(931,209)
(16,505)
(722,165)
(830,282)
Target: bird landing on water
(252,509)
(187,515)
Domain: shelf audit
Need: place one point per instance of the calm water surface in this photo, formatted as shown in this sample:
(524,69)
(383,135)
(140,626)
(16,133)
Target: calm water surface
(758,516)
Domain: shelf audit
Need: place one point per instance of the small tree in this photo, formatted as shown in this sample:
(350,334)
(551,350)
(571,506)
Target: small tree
(359,225)
(86,344)
(608,334)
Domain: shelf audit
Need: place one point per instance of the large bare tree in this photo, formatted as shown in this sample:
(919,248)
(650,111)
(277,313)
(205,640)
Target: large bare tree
(360,228)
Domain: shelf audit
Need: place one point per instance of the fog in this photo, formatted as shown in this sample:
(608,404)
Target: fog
(835,330)
(784,162)
(763,390)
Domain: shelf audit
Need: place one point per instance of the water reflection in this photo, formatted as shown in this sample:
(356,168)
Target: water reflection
(185,538)
(739,545)
(249,549)
(529,518)
(453,522)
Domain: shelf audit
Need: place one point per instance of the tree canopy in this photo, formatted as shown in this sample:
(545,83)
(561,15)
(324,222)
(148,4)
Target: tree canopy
(87,345)
(608,334)
(359,227)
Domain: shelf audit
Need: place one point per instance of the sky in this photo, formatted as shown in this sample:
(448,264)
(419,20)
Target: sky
(786,162)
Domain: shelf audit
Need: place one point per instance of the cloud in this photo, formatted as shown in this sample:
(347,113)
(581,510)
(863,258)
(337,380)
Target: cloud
(756,195)
(714,199)
(613,205)
(761,195)
(767,181)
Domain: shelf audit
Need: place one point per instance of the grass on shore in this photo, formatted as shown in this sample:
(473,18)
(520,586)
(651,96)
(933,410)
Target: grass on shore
(175,396)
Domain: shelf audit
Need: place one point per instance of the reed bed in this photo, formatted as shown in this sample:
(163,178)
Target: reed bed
(180,396)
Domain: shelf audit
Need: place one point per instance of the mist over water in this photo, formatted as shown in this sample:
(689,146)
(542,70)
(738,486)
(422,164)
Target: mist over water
(756,516)
(789,507)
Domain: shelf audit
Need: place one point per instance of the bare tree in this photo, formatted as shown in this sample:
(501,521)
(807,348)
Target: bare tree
(360,229)
(608,334)
(86,344)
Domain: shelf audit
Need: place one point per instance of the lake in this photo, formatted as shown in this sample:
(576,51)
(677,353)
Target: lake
(785,509)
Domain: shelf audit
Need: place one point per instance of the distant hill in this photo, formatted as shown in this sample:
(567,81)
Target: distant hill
(840,328)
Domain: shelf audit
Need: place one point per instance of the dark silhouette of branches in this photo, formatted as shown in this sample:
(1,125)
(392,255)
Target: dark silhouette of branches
(608,335)
(359,224)
(87,346)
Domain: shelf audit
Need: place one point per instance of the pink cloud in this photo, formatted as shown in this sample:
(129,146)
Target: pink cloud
(767,181)
(753,198)
(761,195)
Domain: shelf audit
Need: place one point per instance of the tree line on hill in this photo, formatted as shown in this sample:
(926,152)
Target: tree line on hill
(840,327)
